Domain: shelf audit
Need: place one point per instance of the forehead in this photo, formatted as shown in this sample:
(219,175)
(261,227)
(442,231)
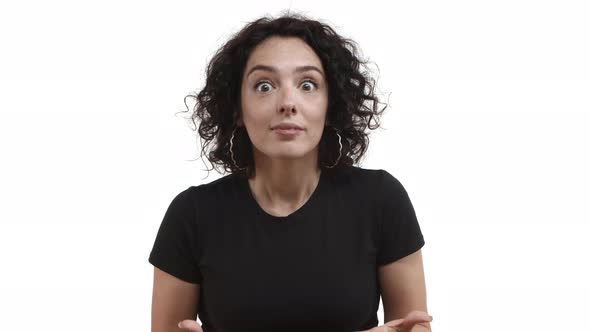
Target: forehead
(283,52)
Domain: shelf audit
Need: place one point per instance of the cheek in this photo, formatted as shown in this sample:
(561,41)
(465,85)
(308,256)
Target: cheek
(258,125)
(251,110)
(319,119)
(257,118)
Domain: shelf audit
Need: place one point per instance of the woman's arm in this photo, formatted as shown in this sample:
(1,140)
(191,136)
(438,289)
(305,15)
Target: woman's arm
(403,289)
(173,300)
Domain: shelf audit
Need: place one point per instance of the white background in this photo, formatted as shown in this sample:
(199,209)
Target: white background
(487,128)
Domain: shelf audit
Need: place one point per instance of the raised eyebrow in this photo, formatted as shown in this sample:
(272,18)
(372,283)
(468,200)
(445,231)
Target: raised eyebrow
(272,69)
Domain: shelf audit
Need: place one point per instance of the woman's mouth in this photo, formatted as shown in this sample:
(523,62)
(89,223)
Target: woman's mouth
(287,131)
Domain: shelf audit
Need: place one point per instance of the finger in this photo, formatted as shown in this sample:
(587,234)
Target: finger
(380,328)
(190,325)
(407,323)
(418,315)
(394,323)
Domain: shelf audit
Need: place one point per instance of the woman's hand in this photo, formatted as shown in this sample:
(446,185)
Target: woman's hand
(190,325)
(399,325)
(403,324)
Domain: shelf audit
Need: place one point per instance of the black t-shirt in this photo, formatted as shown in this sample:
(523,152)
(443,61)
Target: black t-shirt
(313,270)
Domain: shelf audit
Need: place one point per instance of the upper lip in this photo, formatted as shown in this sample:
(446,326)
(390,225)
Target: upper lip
(287,125)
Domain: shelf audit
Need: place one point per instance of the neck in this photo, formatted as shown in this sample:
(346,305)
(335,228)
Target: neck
(284,182)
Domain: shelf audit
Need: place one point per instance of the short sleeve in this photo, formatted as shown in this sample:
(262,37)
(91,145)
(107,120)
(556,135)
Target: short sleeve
(400,232)
(174,250)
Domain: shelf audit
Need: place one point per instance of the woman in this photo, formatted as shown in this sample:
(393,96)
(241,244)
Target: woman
(295,238)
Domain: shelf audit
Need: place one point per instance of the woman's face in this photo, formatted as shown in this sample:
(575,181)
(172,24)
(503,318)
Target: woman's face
(284,82)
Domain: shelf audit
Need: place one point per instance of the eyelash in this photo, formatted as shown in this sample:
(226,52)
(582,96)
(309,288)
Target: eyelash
(268,82)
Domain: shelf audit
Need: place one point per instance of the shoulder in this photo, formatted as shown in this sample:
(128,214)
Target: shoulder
(212,193)
(379,185)
(375,178)
(224,183)
(201,199)
(373,184)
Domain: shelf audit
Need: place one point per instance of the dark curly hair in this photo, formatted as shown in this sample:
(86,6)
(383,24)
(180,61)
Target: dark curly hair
(351,100)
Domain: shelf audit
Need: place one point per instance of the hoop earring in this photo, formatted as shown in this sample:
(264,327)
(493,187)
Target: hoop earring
(231,150)
(339,151)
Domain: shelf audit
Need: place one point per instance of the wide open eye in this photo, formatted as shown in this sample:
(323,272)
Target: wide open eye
(309,83)
(265,84)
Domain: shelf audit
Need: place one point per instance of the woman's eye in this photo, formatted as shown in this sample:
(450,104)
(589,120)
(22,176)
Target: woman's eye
(309,83)
(265,86)
(263,83)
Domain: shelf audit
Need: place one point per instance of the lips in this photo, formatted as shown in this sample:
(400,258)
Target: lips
(287,133)
(287,126)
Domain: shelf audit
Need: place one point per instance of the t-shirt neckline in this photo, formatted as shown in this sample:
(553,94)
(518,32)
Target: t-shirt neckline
(281,219)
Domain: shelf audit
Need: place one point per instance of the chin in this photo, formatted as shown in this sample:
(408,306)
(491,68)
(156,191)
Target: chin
(287,156)
(292,152)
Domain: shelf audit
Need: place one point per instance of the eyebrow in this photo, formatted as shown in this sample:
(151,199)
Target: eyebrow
(271,69)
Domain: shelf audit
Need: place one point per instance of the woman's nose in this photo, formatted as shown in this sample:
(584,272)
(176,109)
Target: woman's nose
(287,107)
(287,101)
